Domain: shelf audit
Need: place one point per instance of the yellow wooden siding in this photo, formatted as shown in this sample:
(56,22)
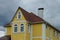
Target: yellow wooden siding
(27,33)
(8,31)
(27,36)
(50,31)
(17,36)
(37,30)
(37,39)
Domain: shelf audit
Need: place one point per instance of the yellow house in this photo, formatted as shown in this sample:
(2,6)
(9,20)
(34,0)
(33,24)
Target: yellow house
(28,26)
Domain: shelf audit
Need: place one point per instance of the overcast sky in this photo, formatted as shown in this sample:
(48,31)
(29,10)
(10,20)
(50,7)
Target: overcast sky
(51,10)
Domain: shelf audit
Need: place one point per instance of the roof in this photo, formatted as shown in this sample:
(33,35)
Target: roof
(6,37)
(30,17)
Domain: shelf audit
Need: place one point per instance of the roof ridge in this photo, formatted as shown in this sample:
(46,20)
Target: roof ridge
(22,9)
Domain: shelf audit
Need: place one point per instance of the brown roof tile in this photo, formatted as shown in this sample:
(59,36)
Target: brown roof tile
(34,18)
(30,17)
(7,25)
(7,37)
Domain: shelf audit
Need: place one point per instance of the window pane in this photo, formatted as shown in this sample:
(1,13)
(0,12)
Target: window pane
(15,29)
(19,15)
(22,27)
(46,26)
(15,25)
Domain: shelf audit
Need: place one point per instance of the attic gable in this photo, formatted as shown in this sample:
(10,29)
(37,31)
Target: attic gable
(18,15)
(30,17)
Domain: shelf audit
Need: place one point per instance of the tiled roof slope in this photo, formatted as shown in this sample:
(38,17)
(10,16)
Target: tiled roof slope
(7,37)
(30,17)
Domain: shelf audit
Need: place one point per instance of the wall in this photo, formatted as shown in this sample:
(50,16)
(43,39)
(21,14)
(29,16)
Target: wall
(50,33)
(37,32)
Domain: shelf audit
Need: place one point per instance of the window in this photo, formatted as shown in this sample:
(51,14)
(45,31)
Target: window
(56,33)
(46,25)
(29,27)
(15,28)
(19,15)
(22,28)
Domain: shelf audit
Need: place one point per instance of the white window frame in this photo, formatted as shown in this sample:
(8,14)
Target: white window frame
(18,15)
(13,28)
(20,28)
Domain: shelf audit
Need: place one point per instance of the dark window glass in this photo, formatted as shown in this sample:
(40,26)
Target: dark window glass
(19,15)
(22,27)
(46,25)
(15,28)
(15,25)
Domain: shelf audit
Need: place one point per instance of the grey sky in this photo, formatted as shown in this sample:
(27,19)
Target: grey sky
(7,9)
(51,12)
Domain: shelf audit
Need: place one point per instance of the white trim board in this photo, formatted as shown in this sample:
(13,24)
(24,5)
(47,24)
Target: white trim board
(43,31)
